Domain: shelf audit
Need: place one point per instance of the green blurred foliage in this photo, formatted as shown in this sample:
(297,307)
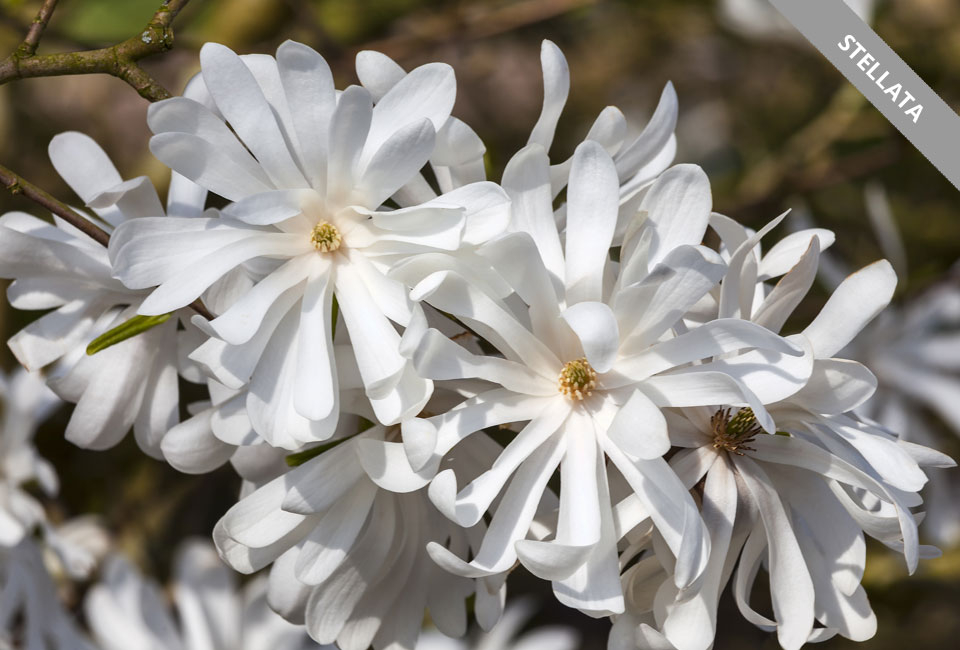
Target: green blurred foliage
(771,121)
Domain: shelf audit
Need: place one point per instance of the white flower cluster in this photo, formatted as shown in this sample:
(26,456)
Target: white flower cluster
(31,613)
(427,378)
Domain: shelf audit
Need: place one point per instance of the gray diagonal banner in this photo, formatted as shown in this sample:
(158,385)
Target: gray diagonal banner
(883,78)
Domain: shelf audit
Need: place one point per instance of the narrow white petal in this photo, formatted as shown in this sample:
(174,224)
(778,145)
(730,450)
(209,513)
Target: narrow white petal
(593,197)
(678,207)
(596,326)
(242,102)
(639,428)
(854,304)
(556,87)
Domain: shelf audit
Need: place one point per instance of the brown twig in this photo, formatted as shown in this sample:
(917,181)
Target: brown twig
(32,40)
(120,60)
(16,184)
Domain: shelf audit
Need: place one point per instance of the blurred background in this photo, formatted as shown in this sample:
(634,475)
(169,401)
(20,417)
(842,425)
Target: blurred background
(771,121)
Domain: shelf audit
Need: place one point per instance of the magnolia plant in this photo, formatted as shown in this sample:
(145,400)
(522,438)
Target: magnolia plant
(428,378)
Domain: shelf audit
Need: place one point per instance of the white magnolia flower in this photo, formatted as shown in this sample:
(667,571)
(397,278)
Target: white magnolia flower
(798,502)
(126,610)
(587,357)
(308,170)
(58,268)
(914,350)
(31,614)
(26,402)
(458,158)
(505,635)
(349,556)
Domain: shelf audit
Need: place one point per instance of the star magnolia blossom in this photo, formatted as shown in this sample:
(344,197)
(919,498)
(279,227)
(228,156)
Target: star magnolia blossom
(801,500)
(26,402)
(914,351)
(584,366)
(836,385)
(788,502)
(308,221)
(458,159)
(349,557)
(31,614)
(126,610)
(133,383)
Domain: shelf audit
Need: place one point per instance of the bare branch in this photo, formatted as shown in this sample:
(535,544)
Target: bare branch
(30,43)
(16,184)
(120,60)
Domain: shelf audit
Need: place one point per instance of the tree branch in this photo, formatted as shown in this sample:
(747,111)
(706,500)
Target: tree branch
(32,40)
(16,184)
(120,60)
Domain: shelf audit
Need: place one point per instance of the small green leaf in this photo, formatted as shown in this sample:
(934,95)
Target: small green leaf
(336,312)
(126,330)
(299,458)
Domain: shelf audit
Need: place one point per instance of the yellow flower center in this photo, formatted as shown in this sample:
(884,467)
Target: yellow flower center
(577,379)
(325,237)
(734,433)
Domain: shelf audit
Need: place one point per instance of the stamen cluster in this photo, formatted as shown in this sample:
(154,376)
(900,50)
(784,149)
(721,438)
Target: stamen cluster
(325,237)
(577,379)
(734,433)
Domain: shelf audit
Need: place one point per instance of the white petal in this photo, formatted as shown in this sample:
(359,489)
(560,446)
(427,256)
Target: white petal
(854,304)
(738,288)
(349,127)
(376,342)
(84,165)
(639,428)
(556,87)
(678,207)
(187,285)
(438,357)
(182,115)
(787,252)
(593,197)
(671,508)
(526,180)
(308,84)
(206,165)
(654,138)
(512,519)
(596,326)
(242,102)
(791,588)
(391,166)
(488,317)
(268,208)
(789,291)
(647,310)
(714,338)
(243,319)
(426,92)
(315,381)
(836,386)
(378,72)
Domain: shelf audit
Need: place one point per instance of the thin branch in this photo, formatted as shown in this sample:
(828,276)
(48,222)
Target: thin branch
(16,184)
(32,40)
(120,60)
